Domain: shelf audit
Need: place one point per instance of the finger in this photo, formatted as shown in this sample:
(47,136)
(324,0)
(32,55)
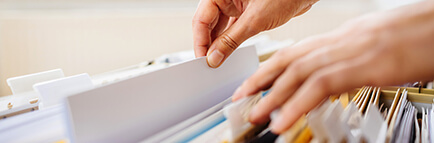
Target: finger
(295,74)
(332,79)
(206,15)
(228,8)
(223,26)
(232,20)
(220,26)
(303,10)
(228,41)
(265,76)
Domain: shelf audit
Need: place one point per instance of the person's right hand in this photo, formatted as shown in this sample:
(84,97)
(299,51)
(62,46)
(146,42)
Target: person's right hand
(380,49)
(220,26)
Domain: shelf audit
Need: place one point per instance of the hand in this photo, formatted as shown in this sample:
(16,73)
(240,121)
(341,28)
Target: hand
(388,48)
(220,26)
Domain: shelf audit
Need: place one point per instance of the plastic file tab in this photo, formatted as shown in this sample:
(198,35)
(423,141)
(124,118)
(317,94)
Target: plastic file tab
(55,91)
(25,83)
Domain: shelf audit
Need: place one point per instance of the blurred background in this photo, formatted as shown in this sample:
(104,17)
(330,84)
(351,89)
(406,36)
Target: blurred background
(95,36)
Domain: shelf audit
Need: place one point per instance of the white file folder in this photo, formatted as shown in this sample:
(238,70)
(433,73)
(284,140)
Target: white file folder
(137,108)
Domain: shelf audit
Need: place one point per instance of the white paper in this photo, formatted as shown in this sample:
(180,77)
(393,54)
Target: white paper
(431,124)
(351,113)
(424,130)
(374,126)
(315,121)
(235,114)
(135,109)
(331,116)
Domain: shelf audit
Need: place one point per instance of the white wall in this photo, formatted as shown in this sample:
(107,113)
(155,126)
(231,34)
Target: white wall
(101,35)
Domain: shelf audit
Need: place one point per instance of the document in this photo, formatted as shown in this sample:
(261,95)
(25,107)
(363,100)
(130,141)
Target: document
(137,108)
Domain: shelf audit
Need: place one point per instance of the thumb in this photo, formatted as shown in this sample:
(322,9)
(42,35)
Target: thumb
(228,41)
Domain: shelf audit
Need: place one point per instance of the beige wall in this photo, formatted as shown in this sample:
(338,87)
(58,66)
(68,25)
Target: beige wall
(96,40)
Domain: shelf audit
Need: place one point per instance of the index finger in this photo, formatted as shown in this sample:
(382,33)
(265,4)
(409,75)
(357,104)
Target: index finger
(204,21)
(265,76)
(336,78)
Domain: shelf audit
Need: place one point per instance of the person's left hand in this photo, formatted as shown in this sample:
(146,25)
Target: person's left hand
(220,26)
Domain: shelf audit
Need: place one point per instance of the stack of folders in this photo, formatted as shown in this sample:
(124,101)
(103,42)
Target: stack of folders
(368,114)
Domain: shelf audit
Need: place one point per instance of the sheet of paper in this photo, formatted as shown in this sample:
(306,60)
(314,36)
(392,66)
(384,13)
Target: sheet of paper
(331,122)
(431,123)
(416,128)
(235,112)
(399,116)
(135,109)
(374,126)
(351,113)
(404,132)
(424,130)
(314,119)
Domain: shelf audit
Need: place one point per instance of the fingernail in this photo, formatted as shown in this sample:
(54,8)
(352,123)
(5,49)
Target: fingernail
(238,91)
(275,124)
(215,58)
(253,114)
(275,114)
(236,94)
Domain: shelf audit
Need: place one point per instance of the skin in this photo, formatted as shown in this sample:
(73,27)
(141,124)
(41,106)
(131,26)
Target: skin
(220,26)
(385,48)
